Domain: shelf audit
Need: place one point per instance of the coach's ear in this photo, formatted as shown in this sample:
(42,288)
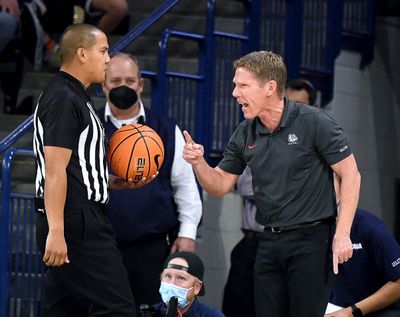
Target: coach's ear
(270,87)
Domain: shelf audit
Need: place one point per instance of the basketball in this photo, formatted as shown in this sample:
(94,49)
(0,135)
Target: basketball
(135,151)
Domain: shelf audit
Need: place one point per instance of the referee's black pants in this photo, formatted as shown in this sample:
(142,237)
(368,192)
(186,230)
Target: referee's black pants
(293,272)
(95,282)
(144,261)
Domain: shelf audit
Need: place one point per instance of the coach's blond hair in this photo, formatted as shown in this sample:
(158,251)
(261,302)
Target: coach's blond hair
(266,66)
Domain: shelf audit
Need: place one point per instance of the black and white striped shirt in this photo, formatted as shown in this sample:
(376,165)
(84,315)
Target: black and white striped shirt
(64,117)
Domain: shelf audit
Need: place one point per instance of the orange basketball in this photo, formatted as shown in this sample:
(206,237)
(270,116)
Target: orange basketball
(135,151)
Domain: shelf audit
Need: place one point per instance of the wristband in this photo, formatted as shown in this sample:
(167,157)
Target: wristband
(356,311)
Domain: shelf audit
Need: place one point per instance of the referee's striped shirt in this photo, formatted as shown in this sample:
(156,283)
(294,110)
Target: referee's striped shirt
(64,117)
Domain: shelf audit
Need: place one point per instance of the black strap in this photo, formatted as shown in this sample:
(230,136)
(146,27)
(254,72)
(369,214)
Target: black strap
(356,311)
(177,267)
(295,227)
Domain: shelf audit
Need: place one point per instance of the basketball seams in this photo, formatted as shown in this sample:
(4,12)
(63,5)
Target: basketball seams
(118,145)
(147,148)
(134,161)
(156,142)
(144,136)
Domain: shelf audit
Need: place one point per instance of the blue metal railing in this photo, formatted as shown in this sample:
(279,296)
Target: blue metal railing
(16,134)
(27,125)
(181,94)
(281,31)
(359,28)
(305,32)
(321,43)
(225,112)
(144,25)
(21,267)
(273,26)
(293,37)
(222,112)
(308,33)
(195,101)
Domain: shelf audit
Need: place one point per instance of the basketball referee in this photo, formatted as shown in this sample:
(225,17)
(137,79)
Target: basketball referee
(85,273)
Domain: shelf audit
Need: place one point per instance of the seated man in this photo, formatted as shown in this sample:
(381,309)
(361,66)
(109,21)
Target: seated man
(182,278)
(11,60)
(369,283)
(8,26)
(301,90)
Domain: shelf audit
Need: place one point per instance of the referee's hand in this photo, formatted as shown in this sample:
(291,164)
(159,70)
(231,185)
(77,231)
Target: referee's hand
(56,249)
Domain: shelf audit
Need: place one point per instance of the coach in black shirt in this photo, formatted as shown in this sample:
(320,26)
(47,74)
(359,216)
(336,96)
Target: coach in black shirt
(85,272)
(292,151)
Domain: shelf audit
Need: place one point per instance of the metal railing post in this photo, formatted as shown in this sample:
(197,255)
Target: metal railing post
(4,224)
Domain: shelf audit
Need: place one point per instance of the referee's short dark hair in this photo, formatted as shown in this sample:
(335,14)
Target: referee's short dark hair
(303,84)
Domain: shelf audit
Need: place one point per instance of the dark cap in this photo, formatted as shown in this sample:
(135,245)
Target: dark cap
(196,267)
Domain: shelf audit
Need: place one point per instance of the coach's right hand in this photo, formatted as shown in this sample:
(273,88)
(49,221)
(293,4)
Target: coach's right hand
(193,153)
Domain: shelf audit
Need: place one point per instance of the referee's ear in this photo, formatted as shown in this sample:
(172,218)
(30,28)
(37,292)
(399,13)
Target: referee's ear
(81,54)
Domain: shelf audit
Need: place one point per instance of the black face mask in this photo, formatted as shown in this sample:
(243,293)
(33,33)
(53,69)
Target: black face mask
(123,97)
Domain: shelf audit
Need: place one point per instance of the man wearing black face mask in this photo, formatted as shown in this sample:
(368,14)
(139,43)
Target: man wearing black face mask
(161,217)
(123,97)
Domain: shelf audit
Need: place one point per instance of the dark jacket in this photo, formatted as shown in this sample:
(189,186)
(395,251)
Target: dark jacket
(196,310)
(148,211)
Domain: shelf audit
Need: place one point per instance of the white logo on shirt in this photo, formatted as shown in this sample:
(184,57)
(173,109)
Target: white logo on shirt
(343,149)
(357,246)
(396,263)
(292,139)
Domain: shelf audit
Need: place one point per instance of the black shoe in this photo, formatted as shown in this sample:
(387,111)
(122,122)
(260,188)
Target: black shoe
(32,34)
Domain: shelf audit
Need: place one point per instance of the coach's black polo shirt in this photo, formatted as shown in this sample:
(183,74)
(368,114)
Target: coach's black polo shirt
(292,178)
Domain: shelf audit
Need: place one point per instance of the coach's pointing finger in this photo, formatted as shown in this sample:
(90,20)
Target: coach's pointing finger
(192,152)
(188,138)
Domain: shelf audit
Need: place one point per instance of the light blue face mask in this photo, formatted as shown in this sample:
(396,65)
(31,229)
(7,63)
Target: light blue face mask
(169,290)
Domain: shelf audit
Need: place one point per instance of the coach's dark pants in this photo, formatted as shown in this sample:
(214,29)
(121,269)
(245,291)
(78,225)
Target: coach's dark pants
(95,282)
(293,272)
